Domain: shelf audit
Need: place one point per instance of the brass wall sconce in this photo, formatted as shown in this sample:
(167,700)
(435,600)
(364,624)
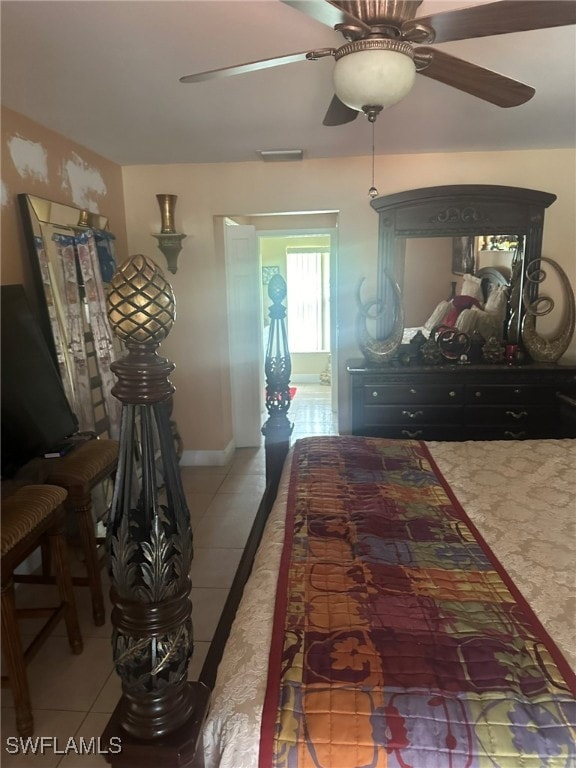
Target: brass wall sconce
(169,241)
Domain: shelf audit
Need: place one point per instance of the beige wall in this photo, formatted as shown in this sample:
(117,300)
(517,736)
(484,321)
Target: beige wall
(40,162)
(198,342)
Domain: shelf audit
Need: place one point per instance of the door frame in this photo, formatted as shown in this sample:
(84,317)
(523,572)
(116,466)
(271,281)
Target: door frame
(333,233)
(248,371)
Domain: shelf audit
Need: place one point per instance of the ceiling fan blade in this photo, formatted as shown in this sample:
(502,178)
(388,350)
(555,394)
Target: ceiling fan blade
(475,80)
(500,18)
(252,66)
(327,12)
(338,113)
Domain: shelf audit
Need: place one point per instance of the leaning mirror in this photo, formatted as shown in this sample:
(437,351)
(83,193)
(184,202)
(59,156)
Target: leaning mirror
(72,258)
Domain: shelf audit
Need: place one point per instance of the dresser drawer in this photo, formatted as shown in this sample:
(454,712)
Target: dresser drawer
(414,432)
(509,415)
(496,432)
(410,415)
(406,394)
(505,393)
(459,402)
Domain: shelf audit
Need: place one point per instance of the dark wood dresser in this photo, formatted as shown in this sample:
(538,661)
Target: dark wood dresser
(461,402)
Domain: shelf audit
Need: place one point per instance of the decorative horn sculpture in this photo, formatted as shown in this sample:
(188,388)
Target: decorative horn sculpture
(379,351)
(539,348)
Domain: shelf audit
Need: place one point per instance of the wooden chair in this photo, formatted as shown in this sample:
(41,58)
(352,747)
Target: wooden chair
(79,472)
(31,517)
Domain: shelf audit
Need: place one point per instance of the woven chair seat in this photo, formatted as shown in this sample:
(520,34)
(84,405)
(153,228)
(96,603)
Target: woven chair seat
(84,464)
(79,472)
(25,510)
(33,517)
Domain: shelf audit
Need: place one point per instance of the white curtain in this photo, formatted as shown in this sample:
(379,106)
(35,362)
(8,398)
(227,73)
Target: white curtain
(307,301)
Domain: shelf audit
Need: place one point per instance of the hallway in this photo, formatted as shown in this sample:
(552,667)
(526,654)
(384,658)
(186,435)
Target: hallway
(311,411)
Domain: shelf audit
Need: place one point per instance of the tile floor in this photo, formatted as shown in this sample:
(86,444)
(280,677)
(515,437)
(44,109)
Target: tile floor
(75,695)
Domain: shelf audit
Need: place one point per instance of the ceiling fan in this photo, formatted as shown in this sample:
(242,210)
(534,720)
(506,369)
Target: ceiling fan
(386,46)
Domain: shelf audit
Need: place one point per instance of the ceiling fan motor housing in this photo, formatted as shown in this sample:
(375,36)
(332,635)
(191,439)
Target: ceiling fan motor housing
(373,72)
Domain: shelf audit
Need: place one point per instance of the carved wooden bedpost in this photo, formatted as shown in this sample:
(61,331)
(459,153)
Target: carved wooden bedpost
(149,539)
(278,368)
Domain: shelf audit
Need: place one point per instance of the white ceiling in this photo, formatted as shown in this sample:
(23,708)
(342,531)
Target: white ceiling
(105,73)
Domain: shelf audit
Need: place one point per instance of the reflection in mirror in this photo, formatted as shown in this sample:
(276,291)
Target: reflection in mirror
(467,283)
(72,257)
(472,220)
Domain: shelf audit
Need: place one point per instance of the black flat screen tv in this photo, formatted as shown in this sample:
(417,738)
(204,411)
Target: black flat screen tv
(36,415)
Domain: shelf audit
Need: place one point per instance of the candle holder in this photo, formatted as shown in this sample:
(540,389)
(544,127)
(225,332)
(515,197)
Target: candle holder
(167,205)
(169,241)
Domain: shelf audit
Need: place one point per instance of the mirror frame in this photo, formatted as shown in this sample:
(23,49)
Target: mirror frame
(459,210)
(92,348)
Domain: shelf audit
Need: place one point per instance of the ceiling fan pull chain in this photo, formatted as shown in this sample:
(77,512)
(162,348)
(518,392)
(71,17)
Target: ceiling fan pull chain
(373,192)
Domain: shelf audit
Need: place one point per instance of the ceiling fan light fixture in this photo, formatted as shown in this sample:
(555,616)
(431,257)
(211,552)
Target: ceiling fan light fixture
(373,72)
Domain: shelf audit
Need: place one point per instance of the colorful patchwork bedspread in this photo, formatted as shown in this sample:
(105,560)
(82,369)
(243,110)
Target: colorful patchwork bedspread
(398,639)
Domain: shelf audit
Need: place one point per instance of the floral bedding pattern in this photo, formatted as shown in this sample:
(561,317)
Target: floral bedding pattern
(522,497)
(398,640)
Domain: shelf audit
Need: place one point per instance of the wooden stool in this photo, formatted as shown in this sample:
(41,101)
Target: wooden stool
(33,516)
(79,472)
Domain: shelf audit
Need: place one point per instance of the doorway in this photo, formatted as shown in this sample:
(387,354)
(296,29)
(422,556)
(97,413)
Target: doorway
(306,260)
(247,275)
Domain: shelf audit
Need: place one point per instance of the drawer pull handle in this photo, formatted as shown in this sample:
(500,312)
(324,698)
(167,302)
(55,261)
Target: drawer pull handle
(412,391)
(478,393)
(517,391)
(514,435)
(412,414)
(416,433)
(452,393)
(517,414)
(374,394)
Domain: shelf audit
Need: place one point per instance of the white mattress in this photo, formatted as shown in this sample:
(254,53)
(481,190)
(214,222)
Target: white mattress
(522,498)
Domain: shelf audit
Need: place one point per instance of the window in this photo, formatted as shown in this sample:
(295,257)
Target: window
(308,300)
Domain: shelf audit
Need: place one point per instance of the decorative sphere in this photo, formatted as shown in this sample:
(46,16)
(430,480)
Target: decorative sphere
(141,306)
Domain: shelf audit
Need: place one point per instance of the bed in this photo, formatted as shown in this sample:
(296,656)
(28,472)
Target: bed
(399,604)
(424,583)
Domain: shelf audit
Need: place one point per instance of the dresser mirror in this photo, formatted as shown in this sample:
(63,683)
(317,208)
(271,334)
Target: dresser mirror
(430,239)
(72,258)
(461,274)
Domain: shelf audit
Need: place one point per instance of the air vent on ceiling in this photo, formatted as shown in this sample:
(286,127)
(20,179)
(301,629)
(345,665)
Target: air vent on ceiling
(280,155)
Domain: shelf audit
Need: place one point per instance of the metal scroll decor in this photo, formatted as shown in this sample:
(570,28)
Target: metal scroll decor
(379,351)
(539,348)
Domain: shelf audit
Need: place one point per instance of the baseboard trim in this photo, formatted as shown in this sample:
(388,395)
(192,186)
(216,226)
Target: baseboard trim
(208,458)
